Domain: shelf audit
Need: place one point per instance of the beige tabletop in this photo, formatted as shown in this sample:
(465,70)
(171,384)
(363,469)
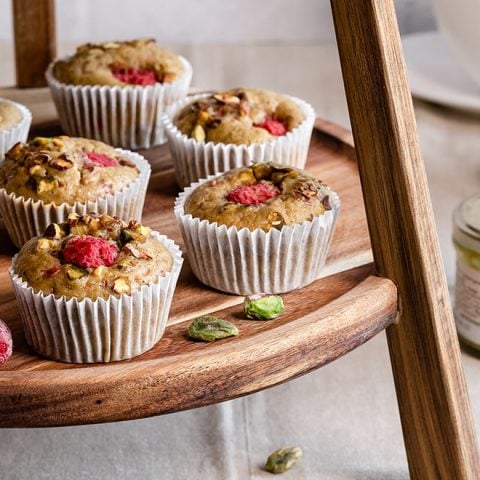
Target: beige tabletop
(344,416)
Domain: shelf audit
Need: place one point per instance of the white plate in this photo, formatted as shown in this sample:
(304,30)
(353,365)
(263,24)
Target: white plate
(436,75)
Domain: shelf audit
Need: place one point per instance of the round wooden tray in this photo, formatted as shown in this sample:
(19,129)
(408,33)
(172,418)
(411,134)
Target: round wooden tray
(322,321)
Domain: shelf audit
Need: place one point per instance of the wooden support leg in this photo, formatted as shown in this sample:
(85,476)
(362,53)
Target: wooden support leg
(35,40)
(436,418)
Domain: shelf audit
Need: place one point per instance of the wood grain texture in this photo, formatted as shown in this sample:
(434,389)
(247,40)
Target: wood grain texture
(322,322)
(434,407)
(34,39)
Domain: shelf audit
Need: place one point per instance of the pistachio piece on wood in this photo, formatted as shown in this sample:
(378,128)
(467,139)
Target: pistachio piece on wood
(121,285)
(283,459)
(198,133)
(75,273)
(208,328)
(262,306)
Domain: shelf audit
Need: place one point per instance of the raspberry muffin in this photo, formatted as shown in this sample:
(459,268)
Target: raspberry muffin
(261,228)
(211,133)
(116,91)
(15,120)
(45,179)
(95,288)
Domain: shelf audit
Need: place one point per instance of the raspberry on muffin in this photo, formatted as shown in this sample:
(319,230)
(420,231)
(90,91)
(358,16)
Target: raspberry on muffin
(262,195)
(135,62)
(92,256)
(241,116)
(65,170)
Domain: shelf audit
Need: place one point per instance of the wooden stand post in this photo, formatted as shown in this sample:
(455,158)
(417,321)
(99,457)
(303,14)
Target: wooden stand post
(436,418)
(35,40)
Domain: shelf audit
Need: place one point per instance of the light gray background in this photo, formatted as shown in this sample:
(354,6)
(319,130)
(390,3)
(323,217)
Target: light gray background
(344,415)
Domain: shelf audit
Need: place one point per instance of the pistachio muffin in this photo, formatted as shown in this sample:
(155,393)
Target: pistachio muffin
(262,228)
(92,256)
(135,62)
(241,116)
(116,92)
(95,288)
(10,115)
(263,195)
(65,170)
(209,134)
(44,180)
(15,120)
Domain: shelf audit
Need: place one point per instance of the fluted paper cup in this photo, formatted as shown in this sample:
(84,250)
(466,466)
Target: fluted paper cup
(123,116)
(90,331)
(244,262)
(17,133)
(194,160)
(26,218)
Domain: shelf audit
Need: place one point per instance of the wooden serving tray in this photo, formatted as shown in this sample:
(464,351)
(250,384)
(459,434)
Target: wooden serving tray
(321,322)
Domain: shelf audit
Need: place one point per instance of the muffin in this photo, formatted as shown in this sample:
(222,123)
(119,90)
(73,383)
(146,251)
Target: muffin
(211,133)
(15,120)
(95,288)
(44,180)
(261,228)
(117,91)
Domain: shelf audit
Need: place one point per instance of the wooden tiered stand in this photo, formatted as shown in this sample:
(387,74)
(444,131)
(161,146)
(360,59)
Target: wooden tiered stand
(405,292)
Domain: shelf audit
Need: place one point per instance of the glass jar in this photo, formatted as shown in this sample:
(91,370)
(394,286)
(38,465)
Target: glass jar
(466,238)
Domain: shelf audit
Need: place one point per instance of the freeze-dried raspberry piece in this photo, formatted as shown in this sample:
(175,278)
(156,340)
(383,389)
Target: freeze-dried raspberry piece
(134,76)
(101,159)
(274,127)
(6,343)
(89,252)
(253,194)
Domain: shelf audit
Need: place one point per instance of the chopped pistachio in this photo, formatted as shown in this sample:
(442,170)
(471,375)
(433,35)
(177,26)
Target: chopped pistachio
(121,285)
(227,98)
(54,231)
(61,163)
(98,272)
(209,328)
(75,273)
(37,171)
(283,459)
(198,133)
(46,184)
(41,141)
(202,117)
(263,306)
(44,244)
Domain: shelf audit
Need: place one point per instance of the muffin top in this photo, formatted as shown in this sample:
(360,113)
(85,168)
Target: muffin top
(10,115)
(92,256)
(262,195)
(65,170)
(239,116)
(135,62)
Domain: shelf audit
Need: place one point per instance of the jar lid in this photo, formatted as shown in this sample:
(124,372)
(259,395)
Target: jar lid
(466,219)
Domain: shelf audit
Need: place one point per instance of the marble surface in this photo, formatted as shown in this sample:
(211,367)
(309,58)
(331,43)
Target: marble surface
(344,415)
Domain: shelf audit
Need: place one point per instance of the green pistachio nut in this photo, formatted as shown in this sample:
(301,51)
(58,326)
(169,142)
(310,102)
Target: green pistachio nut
(283,459)
(208,328)
(263,307)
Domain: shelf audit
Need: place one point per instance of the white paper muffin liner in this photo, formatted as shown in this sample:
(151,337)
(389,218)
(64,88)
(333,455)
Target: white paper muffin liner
(90,331)
(26,218)
(128,117)
(17,133)
(194,160)
(244,262)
